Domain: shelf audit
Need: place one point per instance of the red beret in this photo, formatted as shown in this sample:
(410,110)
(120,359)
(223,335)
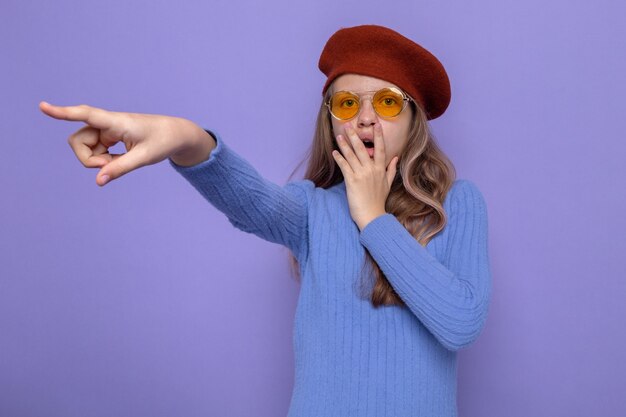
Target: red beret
(382,53)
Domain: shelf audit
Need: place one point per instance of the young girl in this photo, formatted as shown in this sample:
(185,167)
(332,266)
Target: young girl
(391,249)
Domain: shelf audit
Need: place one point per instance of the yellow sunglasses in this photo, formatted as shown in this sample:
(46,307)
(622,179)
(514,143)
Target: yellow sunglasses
(387,102)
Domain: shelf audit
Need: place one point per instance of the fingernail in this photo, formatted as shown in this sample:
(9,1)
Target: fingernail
(105,179)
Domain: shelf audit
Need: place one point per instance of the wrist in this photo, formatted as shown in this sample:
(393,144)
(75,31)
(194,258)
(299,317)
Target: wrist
(363,222)
(197,147)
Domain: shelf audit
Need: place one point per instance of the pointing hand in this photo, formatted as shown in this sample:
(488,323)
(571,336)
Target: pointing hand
(148,138)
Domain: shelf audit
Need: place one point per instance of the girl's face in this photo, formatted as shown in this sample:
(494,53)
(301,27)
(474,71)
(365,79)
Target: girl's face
(395,130)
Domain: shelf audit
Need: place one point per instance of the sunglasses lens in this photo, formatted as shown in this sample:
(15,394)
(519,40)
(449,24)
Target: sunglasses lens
(344,105)
(388,102)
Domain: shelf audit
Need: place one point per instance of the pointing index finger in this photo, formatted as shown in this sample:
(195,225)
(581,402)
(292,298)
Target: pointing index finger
(93,116)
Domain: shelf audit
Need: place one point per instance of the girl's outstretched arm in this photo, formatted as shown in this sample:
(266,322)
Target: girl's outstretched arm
(450,299)
(253,204)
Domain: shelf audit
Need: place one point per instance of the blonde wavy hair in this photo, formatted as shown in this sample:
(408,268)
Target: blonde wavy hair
(423,178)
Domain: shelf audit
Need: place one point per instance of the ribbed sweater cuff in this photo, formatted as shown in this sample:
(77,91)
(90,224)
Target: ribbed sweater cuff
(194,171)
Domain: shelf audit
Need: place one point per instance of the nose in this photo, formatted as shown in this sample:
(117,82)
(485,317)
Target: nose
(367,116)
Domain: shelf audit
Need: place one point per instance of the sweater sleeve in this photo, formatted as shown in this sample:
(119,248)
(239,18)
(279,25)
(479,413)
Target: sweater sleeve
(250,202)
(451,300)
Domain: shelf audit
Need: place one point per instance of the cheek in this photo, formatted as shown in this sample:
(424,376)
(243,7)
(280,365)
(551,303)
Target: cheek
(402,131)
(390,133)
(337,128)
(395,137)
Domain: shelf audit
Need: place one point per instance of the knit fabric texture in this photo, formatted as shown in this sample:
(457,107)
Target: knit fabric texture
(352,359)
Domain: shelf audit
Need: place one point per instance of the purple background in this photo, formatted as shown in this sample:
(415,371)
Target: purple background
(139,298)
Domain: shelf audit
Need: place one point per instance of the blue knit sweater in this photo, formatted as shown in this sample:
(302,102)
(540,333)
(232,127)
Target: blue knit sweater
(352,359)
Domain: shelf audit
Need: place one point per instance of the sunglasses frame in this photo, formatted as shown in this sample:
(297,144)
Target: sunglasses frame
(405,99)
